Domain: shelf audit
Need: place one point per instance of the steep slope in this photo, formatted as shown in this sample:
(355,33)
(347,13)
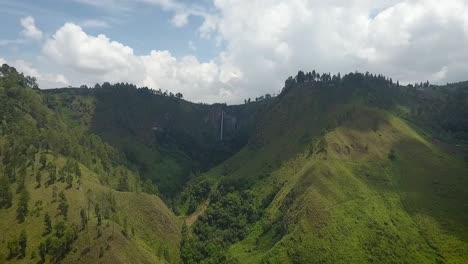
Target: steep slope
(165,138)
(369,196)
(332,175)
(334,170)
(65,195)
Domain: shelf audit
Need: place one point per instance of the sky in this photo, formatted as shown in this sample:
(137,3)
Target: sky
(230,50)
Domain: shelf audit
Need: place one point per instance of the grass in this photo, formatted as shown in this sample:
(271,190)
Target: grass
(152,230)
(353,204)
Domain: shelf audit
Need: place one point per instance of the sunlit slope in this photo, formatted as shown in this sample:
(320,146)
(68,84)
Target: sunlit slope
(369,190)
(140,228)
(337,179)
(95,204)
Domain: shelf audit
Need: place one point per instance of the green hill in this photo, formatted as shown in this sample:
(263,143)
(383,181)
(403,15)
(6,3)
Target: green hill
(352,169)
(96,209)
(333,174)
(165,138)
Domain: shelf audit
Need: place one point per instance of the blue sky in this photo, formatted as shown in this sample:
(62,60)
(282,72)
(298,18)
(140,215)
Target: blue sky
(140,26)
(230,50)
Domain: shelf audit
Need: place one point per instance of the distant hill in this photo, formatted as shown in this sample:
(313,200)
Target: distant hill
(165,138)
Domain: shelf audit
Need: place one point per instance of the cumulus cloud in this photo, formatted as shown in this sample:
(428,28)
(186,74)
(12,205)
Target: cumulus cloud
(98,59)
(264,41)
(43,79)
(29,28)
(2,61)
(409,40)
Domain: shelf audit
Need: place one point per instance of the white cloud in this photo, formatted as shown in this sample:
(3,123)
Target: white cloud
(43,79)
(180,19)
(89,59)
(29,28)
(266,40)
(2,61)
(96,58)
(410,40)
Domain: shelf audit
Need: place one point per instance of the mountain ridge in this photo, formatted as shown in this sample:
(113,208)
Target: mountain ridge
(334,169)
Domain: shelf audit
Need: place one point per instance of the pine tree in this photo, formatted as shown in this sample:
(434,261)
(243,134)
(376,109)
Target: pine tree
(97,210)
(47,225)
(22,243)
(69,181)
(42,251)
(63,205)
(38,179)
(54,194)
(77,169)
(22,209)
(43,160)
(5,194)
(52,173)
(84,218)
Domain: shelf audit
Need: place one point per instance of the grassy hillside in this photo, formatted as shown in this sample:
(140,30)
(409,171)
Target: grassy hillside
(67,196)
(333,175)
(355,169)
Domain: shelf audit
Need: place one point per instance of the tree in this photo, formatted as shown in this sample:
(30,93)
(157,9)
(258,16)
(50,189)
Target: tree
(22,243)
(22,209)
(54,194)
(300,77)
(97,210)
(77,169)
(47,225)
(63,205)
(43,160)
(13,249)
(21,177)
(38,179)
(62,173)
(5,194)
(123,184)
(89,199)
(42,251)
(17,248)
(392,155)
(51,169)
(289,83)
(84,219)
(179,95)
(69,181)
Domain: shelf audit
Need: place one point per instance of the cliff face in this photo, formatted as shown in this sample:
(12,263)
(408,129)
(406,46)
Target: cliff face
(166,138)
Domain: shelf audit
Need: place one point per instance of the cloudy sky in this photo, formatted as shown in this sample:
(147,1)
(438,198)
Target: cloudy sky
(229,50)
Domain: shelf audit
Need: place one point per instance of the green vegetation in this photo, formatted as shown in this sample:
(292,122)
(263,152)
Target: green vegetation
(164,138)
(335,169)
(338,178)
(50,169)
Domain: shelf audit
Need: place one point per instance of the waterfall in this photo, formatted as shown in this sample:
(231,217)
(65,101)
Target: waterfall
(222,125)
